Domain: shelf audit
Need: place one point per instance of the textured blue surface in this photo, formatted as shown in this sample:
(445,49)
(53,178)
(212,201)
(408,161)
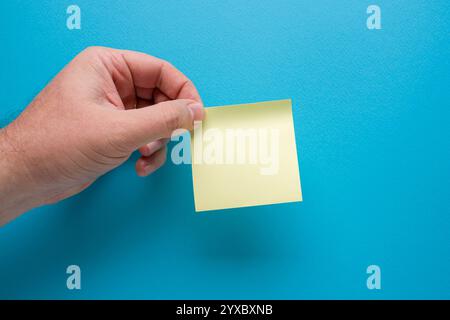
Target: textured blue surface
(371,117)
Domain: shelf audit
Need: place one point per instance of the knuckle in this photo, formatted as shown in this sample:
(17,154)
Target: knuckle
(167,64)
(93,50)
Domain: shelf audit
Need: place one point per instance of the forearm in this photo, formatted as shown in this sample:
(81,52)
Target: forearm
(16,187)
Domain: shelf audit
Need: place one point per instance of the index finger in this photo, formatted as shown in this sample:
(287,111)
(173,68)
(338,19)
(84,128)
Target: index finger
(150,72)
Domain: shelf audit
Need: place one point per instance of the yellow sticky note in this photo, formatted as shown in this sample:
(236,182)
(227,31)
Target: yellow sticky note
(245,155)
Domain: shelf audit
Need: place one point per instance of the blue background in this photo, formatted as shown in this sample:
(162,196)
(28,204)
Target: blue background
(371,114)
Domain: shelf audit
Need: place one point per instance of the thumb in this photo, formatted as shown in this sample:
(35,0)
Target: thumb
(160,120)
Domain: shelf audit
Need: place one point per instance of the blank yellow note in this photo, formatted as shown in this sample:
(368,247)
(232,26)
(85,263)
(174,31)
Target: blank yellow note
(245,155)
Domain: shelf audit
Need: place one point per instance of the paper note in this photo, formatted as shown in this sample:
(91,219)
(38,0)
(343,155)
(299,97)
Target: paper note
(245,155)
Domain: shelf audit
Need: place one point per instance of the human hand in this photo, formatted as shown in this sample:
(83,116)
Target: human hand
(102,106)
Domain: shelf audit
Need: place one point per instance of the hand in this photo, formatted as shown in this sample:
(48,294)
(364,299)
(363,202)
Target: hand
(101,107)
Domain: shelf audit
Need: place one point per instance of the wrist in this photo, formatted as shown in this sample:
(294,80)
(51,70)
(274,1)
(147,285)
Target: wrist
(17,190)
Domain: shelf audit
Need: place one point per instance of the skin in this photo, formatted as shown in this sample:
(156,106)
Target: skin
(101,107)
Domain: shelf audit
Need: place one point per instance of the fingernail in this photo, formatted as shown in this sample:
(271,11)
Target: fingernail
(197,111)
(154,146)
(148,167)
